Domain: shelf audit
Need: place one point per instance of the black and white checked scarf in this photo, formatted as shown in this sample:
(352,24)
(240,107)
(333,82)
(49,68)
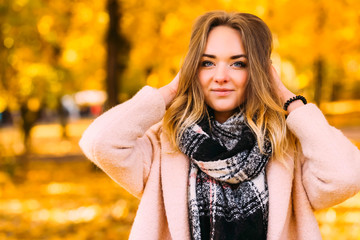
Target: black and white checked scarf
(227,194)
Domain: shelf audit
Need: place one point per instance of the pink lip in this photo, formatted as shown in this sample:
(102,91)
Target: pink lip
(222,91)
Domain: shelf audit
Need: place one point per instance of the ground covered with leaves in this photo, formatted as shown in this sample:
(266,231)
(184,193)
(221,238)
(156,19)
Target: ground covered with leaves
(64,200)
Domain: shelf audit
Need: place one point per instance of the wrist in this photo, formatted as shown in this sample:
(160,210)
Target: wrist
(285,95)
(294,102)
(294,105)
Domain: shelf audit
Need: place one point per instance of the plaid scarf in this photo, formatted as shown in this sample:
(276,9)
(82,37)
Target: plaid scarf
(227,195)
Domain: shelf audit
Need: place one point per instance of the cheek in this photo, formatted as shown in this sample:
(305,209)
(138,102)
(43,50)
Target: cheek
(242,79)
(203,76)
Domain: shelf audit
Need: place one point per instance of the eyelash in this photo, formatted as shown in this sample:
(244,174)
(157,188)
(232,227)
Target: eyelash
(206,64)
(242,64)
(210,64)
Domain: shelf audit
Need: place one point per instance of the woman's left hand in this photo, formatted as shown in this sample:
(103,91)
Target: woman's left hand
(282,91)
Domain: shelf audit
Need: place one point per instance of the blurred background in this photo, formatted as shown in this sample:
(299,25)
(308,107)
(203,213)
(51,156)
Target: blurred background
(63,62)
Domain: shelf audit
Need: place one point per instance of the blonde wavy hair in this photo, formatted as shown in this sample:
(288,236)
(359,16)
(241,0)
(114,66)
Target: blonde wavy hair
(261,99)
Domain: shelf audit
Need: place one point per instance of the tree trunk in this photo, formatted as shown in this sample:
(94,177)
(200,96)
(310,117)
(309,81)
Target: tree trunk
(117,54)
(319,61)
(319,76)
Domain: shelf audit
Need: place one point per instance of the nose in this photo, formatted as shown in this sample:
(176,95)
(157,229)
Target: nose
(221,74)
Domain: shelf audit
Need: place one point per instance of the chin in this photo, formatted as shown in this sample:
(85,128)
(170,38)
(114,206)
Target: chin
(223,108)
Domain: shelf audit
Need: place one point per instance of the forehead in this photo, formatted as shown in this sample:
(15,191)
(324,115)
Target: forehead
(224,40)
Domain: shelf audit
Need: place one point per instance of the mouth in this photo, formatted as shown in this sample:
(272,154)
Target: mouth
(221,91)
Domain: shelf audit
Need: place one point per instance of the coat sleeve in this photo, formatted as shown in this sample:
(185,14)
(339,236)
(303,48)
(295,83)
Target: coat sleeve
(330,164)
(121,141)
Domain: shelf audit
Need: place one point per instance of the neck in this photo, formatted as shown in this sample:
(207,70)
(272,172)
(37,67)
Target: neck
(221,117)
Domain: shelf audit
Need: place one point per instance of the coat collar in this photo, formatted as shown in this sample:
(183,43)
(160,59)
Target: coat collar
(280,177)
(174,170)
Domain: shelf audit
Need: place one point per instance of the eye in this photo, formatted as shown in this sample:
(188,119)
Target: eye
(207,64)
(239,64)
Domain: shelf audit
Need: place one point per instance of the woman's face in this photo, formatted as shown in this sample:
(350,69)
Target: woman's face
(223,71)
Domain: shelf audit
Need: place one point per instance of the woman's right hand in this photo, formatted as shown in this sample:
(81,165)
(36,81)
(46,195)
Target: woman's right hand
(169,91)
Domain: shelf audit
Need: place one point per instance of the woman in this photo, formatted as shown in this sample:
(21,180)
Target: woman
(226,161)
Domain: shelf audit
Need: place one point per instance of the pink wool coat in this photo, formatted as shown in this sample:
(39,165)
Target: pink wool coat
(128,144)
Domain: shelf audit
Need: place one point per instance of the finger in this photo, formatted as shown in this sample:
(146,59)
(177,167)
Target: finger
(274,74)
(173,85)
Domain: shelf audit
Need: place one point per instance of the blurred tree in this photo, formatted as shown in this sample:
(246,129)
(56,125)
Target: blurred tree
(319,39)
(46,51)
(32,75)
(117,53)
(52,48)
(319,61)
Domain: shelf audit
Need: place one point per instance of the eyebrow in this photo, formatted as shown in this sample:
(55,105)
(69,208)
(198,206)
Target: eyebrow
(232,57)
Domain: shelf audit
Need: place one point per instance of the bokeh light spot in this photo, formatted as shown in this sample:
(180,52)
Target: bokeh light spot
(8,42)
(71,56)
(103,17)
(45,24)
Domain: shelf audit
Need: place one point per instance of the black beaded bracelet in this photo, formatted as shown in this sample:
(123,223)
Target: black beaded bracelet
(298,97)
